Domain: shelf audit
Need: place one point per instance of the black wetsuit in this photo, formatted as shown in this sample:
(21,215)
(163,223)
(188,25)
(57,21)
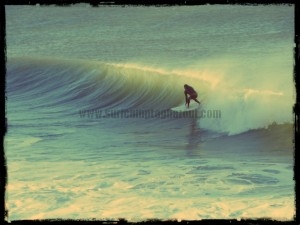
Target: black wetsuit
(188,90)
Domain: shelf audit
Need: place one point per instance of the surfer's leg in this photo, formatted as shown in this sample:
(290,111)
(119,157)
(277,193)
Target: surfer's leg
(194,97)
(196,100)
(188,102)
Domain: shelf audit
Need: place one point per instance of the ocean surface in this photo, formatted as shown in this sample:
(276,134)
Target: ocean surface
(91,133)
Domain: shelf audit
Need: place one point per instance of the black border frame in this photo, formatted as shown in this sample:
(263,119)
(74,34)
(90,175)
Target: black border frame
(96,3)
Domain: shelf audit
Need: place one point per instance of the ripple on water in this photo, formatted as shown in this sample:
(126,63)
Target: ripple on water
(243,178)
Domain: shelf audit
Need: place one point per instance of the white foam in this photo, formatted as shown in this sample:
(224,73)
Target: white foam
(166,192)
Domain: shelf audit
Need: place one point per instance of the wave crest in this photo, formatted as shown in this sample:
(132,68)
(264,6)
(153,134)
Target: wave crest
(89,85)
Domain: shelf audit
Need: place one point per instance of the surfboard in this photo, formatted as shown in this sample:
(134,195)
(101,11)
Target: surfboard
(184,108)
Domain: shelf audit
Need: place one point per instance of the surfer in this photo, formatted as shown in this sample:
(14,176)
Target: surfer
(188,90)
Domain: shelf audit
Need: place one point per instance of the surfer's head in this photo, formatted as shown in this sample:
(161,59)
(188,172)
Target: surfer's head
(185,86)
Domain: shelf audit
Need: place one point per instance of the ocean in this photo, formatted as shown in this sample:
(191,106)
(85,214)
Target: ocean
(91,130)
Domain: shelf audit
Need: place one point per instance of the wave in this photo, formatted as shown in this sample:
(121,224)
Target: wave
(80,84)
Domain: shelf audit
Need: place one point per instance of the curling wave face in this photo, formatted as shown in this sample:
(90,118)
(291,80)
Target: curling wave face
(78,84)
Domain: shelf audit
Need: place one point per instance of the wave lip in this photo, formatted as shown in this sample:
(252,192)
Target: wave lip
(80,85)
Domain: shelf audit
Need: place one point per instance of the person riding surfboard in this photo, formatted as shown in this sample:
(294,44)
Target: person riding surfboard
(190,93)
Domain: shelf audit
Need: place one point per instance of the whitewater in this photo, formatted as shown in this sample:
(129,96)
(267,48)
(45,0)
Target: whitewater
(62,61)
